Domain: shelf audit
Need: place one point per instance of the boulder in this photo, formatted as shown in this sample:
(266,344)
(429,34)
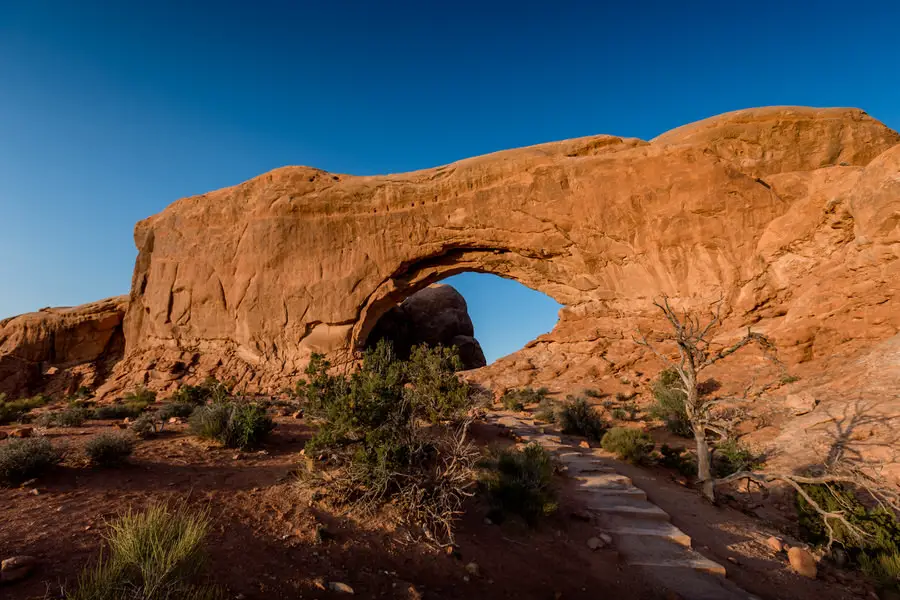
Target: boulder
(802,562)
(775,544)
(21,432)
(437,315)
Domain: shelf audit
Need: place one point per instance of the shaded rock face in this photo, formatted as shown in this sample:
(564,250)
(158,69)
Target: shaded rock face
(56,350)
(437,315)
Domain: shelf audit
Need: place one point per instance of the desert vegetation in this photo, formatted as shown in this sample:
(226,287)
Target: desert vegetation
(520,482)
(577,416)
(109,449)
(26,458)
(628,444)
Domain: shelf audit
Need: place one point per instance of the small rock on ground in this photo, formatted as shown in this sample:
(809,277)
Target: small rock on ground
(472,569)
(16,568)
(22,432)
(337,586)
(802,562)
(775,544)
(594,543)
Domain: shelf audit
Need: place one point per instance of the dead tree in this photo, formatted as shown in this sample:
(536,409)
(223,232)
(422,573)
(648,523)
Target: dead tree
(692,340)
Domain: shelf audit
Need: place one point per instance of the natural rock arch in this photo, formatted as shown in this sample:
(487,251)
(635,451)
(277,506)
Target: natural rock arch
(247,281)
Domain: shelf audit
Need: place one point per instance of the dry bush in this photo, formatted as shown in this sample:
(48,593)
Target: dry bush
(22,459)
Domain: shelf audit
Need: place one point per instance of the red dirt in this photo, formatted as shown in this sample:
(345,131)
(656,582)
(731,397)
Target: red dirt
(263,539)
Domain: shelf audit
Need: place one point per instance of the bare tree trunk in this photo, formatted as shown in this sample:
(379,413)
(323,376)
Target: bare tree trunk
(704,467)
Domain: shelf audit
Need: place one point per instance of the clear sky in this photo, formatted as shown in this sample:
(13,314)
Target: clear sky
(109,111)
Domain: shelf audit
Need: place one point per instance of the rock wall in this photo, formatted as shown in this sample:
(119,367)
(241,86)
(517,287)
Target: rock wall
(767,208)
(56,350)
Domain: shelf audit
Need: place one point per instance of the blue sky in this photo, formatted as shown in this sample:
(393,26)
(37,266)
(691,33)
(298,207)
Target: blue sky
(109,111)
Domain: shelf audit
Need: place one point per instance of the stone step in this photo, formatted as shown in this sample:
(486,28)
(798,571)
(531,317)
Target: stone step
(626,527)
(625,506)
(697,563)
(605,481)
(635,493)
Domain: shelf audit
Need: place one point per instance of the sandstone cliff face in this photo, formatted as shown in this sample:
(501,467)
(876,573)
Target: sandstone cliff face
(59,349)
(788,214)
(436,316)
(767,208)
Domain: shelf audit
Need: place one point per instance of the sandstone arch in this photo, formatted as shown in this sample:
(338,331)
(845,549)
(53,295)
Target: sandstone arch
(248,281)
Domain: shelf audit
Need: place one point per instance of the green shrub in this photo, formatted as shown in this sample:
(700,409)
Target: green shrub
(69,417)
(619,414)
(210,390)
(15,410)
(669,403)
(109,449)
(517,399)
(521,483)
(234,424)
(119,411)
(546,411)
(628,444)
(157,554)
(140,396)
(147,425)
(678,459)
(731,456)
(882,568)
(22,459)
(580,418)
(178,409)
(592,393)
(876,551)
(398,432)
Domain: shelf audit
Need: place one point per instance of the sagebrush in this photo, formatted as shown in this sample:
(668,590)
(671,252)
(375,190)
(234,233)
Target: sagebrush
(109,449)
(23,459)
(517,399)
(234,424)
(669,398)
(16,410)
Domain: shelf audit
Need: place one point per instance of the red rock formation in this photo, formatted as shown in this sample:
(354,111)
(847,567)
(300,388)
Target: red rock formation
(789,214)
(59,349)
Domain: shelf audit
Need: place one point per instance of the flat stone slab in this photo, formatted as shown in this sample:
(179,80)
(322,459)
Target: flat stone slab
(632,492)
(605,481)
(696,563)
(625,506)
(652,529)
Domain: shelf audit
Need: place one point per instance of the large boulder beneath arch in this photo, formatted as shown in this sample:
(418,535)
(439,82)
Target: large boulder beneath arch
(437,315)
(56,350)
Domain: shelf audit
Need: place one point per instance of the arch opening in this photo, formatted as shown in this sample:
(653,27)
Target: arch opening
(486,316)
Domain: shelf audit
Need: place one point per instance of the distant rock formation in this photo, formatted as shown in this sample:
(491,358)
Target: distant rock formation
(56,350)
(437,315)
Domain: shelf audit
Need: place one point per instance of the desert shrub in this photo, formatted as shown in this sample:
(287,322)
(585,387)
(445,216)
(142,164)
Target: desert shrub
(140,395)
(147,425)
(546,411)
(83,393)
(883,568)
(234,424)
(619,414)
(157,554)
(521,483)
(678,459)
(669,400)
(180,409)
(876,552)
(731,456)
(210,390)
(397,429)
(68,417)
(15,410)
(118,411)
(517,399)
(628,444)
(578,417)
(593,393)
(22,459)
(109,449)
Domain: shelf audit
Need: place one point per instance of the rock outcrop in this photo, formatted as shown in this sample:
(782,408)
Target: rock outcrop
(788,214)
(437,315)
(56,350)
